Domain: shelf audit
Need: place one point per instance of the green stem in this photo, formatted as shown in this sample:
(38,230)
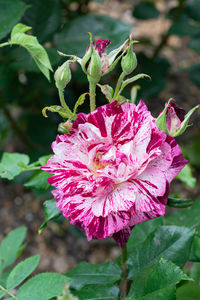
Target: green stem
(118,86)
(92,88)
(63,103)
(125,281)
(4,44)
(9,293)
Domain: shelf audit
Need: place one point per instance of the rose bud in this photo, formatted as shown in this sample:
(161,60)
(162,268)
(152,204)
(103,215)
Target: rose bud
(62,75)
(173,119)
(129,61)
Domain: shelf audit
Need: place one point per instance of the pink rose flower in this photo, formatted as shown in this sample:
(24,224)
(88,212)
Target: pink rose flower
(112,171)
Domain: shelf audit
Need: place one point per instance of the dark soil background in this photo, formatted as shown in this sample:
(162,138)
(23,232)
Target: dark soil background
(59,246)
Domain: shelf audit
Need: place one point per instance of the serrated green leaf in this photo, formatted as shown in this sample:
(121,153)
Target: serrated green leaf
(10,13)
(58,109)
(43,286)
(51,212)
(98,292)
(80,101)
(31,44)
(157,282)
(145,10)
(21,271)
(10,246)
(67,42)
(141,232)
(38,181)
(188,217)
(86,273)
(44,24)
(170,242)
(11,164)
(190,291)
(186,176)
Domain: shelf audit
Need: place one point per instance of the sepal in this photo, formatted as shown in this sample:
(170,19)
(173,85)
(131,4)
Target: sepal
(107,90)
(58,109)
(80,101)
(170,120)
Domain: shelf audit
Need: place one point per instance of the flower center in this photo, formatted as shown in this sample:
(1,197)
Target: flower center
(98,164)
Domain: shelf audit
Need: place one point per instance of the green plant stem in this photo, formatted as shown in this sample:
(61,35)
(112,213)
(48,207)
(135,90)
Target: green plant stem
(4,44)
(9,293)
(118,86)
(92,88)
(63,103)
(125,281)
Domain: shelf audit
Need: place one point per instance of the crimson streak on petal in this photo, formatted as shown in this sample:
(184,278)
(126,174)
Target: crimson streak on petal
(112,171)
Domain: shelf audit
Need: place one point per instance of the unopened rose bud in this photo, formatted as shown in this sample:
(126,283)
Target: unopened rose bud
(62,75)
(174,118)
(129,61)
(94,69)
(65,127)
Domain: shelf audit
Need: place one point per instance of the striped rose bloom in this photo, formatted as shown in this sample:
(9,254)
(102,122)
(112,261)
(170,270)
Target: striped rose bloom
(112,171)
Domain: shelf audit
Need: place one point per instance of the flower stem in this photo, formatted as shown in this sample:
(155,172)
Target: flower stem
(4,44)
(63,103)
(92,88)
(125,281)
(119,83)
(9,293)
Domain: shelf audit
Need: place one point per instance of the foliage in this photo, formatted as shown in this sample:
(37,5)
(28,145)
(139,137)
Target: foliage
(43,286)
(153,268)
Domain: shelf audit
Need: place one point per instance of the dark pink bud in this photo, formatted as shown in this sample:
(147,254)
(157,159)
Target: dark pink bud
(174,116)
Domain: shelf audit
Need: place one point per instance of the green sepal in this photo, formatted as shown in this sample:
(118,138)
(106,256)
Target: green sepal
(87,55)
(107,90)
(184,124)
(80,101)
(161,120)
(179,202)
(134,91)
(132,79)
(58,109)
